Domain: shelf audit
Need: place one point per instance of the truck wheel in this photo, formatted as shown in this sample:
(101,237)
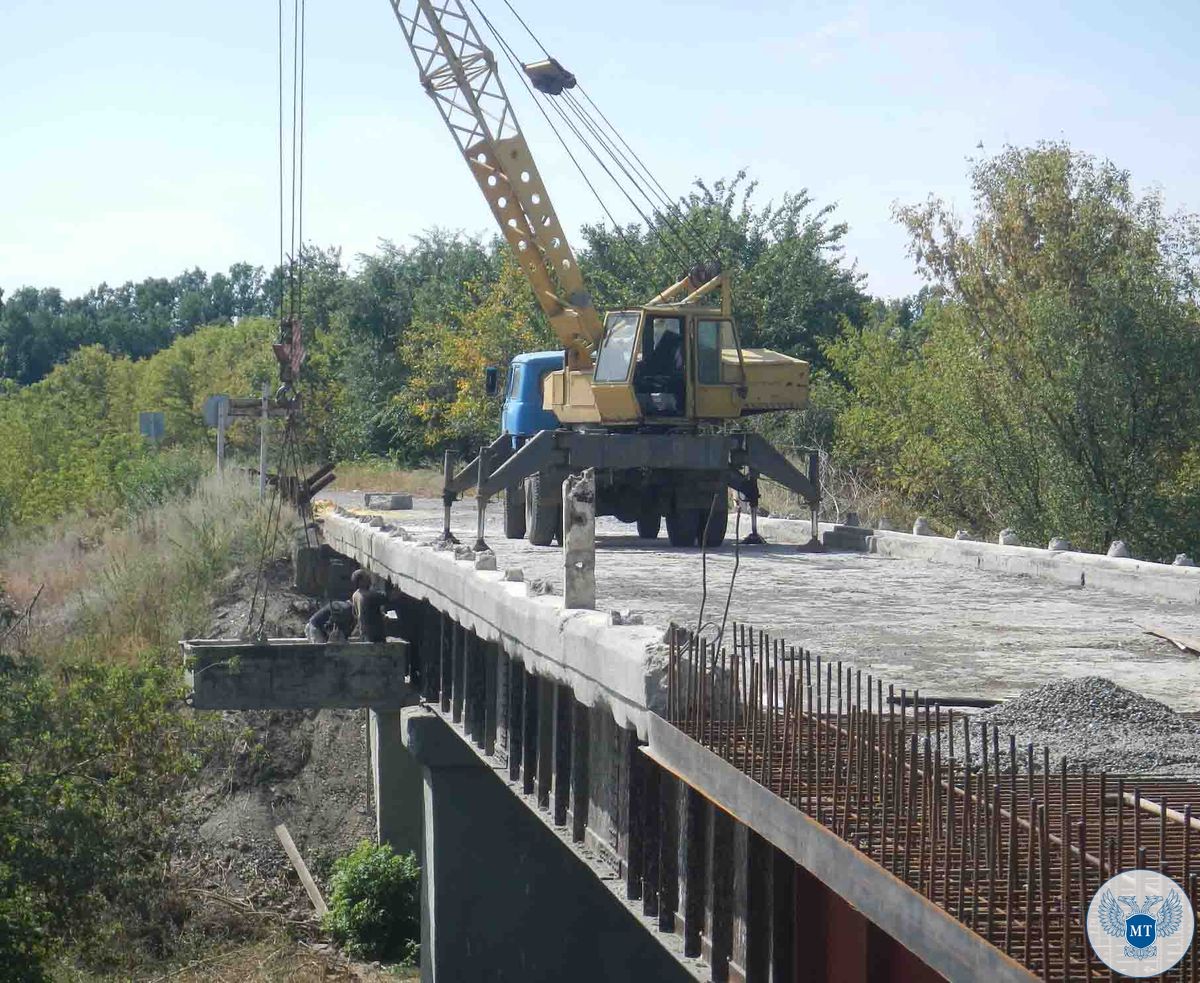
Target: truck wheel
(648,525)
(681,526)
(514,512)
(542,514)
(716,525)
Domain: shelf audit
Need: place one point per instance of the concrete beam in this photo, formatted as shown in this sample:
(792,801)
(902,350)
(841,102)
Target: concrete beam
(579,540)
(1121,575)
(620,666)
(294,674)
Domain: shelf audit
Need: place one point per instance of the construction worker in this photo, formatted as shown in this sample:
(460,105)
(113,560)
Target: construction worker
(332,623)
(369,605)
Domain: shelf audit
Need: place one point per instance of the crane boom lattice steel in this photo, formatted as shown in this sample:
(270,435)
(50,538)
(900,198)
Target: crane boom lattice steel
(459,72)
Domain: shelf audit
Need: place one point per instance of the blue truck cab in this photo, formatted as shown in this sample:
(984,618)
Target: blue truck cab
(523,416)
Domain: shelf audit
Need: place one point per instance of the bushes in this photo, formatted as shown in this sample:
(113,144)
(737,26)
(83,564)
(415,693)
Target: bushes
(92,761)
(1052,387)
(70,442)
(94,752)
(375,905)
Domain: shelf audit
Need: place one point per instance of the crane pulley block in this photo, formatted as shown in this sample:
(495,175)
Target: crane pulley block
(549,76)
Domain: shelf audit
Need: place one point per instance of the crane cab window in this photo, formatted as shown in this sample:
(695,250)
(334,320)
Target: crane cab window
(514,381)
(659,379)
(616,352)
(713,339)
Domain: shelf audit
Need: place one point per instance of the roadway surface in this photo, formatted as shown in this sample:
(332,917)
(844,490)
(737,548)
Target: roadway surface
(948,631)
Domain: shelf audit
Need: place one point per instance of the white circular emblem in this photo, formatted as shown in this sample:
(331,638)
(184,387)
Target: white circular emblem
(1140,923)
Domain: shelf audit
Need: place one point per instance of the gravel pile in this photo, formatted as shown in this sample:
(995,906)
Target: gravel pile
(1094,721)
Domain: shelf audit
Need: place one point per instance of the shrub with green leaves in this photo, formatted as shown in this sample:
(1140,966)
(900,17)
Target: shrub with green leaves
(375,904)
(92,762)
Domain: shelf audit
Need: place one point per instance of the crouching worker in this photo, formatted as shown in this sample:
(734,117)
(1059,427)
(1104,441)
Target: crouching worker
(332,623)
(369,606)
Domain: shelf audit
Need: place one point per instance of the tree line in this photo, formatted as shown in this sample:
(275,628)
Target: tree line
(1044,378)
(40,328)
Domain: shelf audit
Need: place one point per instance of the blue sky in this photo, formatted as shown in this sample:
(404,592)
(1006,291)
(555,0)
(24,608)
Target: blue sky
(137,138)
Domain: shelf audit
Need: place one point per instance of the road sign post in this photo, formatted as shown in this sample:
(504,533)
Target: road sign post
(222,423)
(151,426)
(262,443)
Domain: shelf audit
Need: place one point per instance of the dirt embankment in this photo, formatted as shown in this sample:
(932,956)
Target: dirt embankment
(307,769)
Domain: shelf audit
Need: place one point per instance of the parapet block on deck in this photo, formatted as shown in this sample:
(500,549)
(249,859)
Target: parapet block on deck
(295,674)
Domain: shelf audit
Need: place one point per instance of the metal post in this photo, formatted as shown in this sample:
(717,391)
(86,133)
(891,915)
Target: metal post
(447,496)
(222,423)
(480,501)
(579,540)
(262,443)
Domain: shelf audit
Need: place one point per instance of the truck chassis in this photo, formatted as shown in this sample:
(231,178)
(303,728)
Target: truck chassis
(640,477)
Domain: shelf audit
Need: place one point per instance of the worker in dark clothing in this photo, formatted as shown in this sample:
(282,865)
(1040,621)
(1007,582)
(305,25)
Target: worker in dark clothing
(332,623)
(369,605)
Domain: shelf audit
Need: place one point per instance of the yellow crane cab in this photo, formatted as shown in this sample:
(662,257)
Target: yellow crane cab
(670,366)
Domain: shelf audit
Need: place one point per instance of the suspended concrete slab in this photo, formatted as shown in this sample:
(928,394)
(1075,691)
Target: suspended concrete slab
(295,674)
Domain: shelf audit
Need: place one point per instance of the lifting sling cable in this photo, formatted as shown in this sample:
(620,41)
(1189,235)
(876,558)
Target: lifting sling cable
(290,298)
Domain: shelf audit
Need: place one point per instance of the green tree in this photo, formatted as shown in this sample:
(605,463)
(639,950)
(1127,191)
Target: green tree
(91,768)
(791,284)
(1055,389)
(444,403)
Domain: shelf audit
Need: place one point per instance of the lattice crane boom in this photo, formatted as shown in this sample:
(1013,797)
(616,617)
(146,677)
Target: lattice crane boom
(459,72)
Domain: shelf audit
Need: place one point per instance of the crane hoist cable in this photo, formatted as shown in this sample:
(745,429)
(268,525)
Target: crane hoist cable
(656,209)
(298,161)
(653,228)
(633,250)
(521,21)
(291,280)
(670,204)
(665,200)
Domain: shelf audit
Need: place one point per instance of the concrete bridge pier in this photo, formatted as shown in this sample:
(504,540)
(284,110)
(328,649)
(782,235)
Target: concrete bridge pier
(504,897)
(396,779)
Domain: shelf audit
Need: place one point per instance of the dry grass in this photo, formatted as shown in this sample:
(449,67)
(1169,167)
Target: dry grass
(263,960)
(115,593)
(842,494)
(381,476)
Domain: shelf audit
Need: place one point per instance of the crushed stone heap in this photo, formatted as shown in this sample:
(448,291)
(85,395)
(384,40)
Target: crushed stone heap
(1094,721)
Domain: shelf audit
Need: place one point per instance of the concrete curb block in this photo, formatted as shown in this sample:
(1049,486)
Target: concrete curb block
(623,667)
(1139,578)
(1122,575)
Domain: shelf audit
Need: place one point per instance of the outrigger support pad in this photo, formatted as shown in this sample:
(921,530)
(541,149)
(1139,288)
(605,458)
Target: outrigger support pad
(448,496)
(814,544)
(753,538)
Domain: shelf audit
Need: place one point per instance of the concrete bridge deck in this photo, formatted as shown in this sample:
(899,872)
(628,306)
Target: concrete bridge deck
(532,716)
(947,630)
